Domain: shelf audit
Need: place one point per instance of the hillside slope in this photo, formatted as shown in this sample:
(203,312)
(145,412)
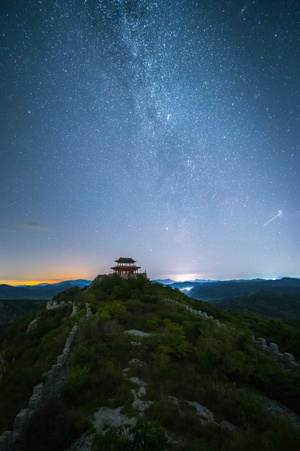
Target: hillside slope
(272,298)
(148,371)
(13,310)
(266,303)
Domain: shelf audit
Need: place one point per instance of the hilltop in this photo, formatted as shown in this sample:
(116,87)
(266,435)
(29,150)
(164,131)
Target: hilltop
(126,364)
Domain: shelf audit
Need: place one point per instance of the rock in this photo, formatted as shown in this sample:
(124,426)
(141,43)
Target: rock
(274,348)
(136,362)
(229,426)
(106,417)
(83,443)
(204,413)
(137,333)
(138,404)
(288,357)
(262,342)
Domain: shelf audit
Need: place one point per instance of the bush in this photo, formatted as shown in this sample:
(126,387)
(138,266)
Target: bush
(111,440)
(145,436)
(76,379)
(149,436)
(84,355)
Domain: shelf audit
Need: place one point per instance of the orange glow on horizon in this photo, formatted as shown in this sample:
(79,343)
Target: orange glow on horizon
(14,283)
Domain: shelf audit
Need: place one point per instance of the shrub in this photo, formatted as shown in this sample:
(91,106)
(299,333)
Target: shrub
(145,436)
(149,436)
(76,379)
(84,355)
(111,440)
(114,309)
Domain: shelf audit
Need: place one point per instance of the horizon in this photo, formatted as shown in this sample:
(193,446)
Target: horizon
(176,279)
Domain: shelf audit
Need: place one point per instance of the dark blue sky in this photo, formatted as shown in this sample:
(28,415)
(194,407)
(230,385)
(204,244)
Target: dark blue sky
(167,131)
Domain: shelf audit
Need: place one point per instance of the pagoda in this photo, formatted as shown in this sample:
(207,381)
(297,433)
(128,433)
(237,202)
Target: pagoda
(125,267)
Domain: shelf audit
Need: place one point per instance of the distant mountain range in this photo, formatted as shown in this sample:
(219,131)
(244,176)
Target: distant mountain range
(215,290)
(41,291)
(271,298)
(171,282)
(278,298)
(205,290)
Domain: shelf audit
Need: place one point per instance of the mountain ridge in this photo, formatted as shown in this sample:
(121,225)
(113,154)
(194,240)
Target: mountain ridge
(175,372)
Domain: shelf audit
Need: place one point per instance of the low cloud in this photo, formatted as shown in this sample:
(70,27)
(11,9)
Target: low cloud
(33,226)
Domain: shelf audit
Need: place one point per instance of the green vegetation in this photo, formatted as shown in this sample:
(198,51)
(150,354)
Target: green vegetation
(271,298)
(184,359)
(266,303)
(12,310)
(274,329)
(29,351)
(144,436)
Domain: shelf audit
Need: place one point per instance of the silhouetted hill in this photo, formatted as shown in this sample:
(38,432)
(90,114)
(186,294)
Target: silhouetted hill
(163,281)
(43,291)
(78,283)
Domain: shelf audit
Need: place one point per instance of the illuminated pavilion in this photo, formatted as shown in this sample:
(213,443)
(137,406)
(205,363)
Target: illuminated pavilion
(125,267)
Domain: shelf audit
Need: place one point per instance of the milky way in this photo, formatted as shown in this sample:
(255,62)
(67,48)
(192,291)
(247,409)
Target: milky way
(166,131)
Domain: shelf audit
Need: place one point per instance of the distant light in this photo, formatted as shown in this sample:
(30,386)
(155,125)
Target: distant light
(183,277)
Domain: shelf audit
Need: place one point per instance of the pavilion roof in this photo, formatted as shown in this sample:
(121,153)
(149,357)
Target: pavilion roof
(125,260)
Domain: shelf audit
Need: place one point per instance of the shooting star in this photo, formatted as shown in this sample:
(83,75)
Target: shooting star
(277,216)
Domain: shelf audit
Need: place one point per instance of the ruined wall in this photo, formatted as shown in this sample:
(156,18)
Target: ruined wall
(11,440)
(194,311)
(285,359)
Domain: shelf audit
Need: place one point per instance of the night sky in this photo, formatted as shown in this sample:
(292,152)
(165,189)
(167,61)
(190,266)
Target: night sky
(166,131)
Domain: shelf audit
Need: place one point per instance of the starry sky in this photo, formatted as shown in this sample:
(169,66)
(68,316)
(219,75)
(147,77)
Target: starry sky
(166,131)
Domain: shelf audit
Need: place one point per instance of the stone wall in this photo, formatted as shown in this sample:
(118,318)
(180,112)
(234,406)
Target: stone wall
(11,440)
(285,359)
(195,312)
(52,305)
